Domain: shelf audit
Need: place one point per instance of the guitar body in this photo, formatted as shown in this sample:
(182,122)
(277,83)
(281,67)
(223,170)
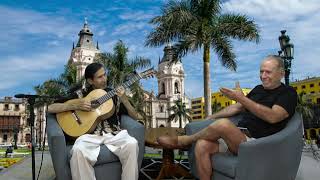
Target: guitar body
(77,123)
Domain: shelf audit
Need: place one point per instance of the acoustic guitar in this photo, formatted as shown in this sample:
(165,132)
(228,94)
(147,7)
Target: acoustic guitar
(76,123)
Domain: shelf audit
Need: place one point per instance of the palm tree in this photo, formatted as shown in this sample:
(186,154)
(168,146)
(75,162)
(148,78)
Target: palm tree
(199,25)
(179,110)
(60,86)
(120,68)
(305,108)
(215,107)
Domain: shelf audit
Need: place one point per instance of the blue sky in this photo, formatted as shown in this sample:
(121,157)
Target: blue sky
(36,39)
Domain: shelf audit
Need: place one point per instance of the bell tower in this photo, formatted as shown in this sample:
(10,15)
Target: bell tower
(84,52)
(170,75)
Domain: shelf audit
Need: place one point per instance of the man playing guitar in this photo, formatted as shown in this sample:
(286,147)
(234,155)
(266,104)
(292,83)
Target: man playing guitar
(86,148)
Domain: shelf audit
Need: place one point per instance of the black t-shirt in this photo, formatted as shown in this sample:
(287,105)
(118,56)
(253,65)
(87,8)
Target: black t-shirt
(284,96)
(113,121)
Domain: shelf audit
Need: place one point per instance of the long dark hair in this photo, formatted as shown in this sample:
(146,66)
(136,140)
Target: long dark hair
(89,73)
(91,69)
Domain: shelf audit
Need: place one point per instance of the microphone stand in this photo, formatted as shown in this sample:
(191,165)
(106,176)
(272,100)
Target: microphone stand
(31,102)
(31,119)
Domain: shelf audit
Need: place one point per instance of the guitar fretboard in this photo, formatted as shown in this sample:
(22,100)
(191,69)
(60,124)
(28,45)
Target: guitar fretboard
(111,93)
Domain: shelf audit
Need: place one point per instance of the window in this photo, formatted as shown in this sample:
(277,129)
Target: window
(196,102)
(318,100)
(16,107)
(197,117)
(163,88)
(28,137)
(311,85)
(6,107)
(303,86)
(161,108)
(312,92)
(196,107)
(197,112)
(176,88)
(5,138)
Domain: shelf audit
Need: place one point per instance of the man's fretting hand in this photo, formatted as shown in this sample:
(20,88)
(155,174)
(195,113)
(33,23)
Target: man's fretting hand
(120,91)
(83,105)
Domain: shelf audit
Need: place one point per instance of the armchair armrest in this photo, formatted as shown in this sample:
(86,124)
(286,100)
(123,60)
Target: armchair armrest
(57,148)
(194,127)
(136,130)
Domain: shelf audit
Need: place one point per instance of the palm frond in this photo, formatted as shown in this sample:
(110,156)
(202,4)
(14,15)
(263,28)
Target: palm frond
(238,27)
(223,48)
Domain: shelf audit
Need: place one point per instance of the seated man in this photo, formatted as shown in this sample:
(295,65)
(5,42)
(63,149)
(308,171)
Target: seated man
(265,111)
(86,148)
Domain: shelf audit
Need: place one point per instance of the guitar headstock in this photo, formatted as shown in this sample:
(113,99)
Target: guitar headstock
(147,73)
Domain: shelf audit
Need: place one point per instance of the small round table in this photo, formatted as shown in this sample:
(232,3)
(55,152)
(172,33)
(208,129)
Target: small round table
(168,168)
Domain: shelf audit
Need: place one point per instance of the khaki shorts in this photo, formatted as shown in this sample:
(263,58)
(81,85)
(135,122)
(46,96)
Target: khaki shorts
(223,147)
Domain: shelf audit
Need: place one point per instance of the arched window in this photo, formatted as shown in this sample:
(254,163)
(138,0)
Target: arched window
(161,108)
(176,88)
(163,88)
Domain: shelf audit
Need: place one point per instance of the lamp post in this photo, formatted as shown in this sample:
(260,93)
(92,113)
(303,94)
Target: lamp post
(286,53)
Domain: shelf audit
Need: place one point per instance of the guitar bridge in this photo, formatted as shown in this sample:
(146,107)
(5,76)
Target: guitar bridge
(76,117)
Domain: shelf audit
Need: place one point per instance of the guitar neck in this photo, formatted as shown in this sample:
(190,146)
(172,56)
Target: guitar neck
(111,93)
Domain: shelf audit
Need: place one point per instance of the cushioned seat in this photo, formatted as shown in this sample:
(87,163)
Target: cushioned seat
(275,157)
(108,164)
(227,164)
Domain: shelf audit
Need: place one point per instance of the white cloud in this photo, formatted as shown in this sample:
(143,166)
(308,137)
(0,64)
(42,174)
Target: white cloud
(299,17)
(31,70)
(31,22)
(137,16)
(275,10)
(127,28)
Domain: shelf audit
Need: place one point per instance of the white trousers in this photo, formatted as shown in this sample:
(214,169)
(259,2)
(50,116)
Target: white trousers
(86,149)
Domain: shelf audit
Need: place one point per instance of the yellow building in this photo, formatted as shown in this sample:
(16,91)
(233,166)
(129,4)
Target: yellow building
(218,101)
(311,88)
(197,106)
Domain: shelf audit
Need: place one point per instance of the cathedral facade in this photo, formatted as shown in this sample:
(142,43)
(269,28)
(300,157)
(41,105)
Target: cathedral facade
(171,88)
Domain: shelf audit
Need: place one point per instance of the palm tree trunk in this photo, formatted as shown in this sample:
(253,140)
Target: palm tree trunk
(206,80)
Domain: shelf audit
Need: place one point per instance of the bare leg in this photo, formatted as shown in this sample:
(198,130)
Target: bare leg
(203,151)
(222,128)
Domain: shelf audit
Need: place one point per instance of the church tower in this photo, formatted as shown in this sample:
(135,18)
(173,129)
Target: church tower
(85,50)
(170,76)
